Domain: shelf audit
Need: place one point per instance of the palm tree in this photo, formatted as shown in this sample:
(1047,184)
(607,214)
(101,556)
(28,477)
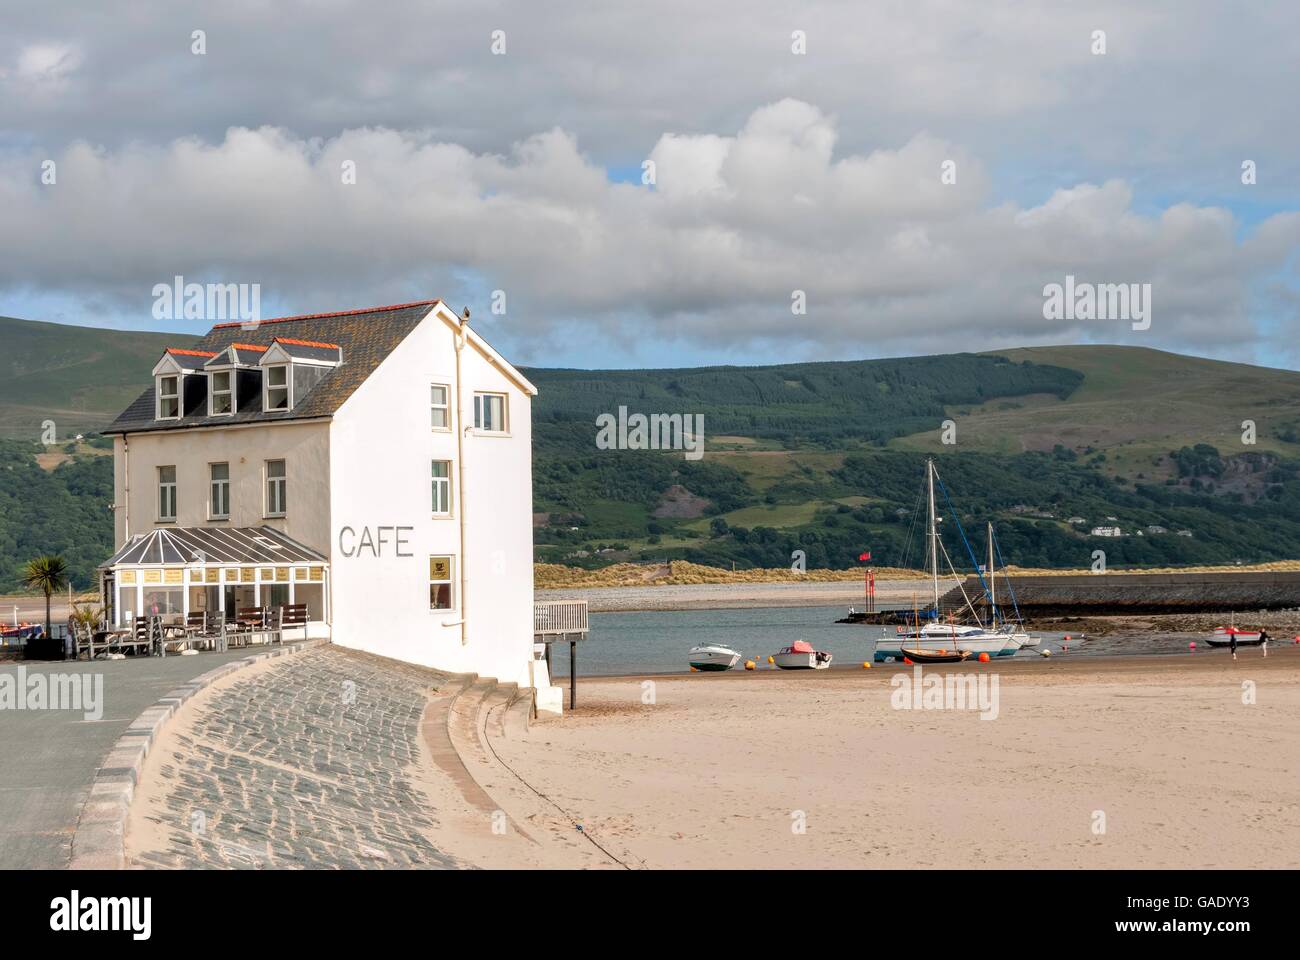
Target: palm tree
(46,574)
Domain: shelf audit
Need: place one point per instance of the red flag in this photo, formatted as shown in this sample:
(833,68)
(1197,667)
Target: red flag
(866,555)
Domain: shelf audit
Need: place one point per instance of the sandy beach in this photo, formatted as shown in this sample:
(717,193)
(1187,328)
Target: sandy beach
(1124,762)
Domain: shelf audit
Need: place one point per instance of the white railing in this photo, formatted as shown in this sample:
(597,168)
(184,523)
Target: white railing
(559,616)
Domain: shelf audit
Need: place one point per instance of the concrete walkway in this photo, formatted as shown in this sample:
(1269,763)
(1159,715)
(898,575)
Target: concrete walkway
(49,757)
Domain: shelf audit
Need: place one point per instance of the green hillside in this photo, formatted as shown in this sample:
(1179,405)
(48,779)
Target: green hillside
(79,377)
(820,457)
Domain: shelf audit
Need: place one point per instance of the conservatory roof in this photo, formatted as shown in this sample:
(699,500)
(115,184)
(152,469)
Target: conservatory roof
(217,545)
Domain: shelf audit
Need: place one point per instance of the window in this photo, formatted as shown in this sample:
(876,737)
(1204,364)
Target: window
(220,506)
(439,407)
(167,493)
(490,412)
(222,400)
(442,488)
(440,583)
(169,398)
(277,388)
(276,489)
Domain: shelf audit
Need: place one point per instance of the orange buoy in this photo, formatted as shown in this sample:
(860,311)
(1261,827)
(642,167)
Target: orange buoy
(770,660)
(984,658)
(749,664)
(695,670)
(866,665)
(907,660)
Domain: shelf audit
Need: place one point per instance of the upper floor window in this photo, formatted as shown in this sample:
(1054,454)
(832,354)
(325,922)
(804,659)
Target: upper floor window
(169,397)
(439,406)
(276,489)
(490,412)
(220,505)
(222,396)
(442,488)
(277,387)
(167,493)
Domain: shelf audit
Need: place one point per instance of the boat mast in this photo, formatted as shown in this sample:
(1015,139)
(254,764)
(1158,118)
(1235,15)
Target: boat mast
(993,600)
(934,536)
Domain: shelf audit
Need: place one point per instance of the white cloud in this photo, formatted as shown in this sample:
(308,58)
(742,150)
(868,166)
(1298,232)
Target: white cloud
(892,260)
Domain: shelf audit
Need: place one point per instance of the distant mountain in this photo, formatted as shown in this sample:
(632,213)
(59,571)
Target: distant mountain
(79,377)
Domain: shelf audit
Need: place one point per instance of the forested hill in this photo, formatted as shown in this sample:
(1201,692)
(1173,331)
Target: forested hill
(823,404)
(1193,460)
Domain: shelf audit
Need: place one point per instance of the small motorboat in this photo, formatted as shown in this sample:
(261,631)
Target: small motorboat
(1245,638)
(800,655)
(935,656)
(712,657)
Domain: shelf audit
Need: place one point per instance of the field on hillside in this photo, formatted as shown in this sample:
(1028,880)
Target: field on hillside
(79,377)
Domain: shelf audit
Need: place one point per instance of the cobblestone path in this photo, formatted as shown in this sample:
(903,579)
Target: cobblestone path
(309,763)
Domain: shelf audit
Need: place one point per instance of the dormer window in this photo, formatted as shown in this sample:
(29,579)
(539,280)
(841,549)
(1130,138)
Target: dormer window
(222,393)
(277,388)
(291,368)
(169,397)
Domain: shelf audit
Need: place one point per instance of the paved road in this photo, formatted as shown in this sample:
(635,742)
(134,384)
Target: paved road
(307,763)
(49,757)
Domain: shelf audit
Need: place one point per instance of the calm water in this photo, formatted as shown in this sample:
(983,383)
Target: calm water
(657,641)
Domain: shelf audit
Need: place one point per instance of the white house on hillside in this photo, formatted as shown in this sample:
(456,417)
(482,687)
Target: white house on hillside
(374,464)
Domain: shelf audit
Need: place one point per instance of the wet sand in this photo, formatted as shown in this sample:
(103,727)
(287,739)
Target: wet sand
(1124,762)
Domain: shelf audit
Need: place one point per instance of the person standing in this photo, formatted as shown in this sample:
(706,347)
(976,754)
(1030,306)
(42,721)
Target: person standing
(1263,640)
(1232,643)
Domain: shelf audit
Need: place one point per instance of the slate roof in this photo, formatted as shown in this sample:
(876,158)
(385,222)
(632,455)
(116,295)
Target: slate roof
(363,337)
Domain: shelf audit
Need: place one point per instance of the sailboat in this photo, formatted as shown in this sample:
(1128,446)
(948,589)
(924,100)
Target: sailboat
(950,636)
(1014,627)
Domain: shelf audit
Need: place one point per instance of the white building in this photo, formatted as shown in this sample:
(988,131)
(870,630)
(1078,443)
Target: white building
(374,464)
(1107,532)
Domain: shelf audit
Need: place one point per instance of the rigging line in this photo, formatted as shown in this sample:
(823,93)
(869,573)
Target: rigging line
(997,546)
(960,586)
(957,520)
(568,816)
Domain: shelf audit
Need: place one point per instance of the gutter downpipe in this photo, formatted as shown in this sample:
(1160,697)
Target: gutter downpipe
(126,488)
(460,479)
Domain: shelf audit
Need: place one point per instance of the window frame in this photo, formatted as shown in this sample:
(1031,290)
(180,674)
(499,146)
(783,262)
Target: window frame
(283,482)
(213,482)
(213,392)
(449,582)
(159,396)
(443,481)
(163,488)
(267,388)
(479,406)
(445,407)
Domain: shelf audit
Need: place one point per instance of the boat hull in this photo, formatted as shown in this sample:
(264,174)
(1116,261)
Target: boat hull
(712,659)
(994,644)
(800,661)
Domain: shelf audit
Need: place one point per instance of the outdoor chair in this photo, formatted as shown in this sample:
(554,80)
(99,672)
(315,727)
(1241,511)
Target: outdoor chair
(291,616)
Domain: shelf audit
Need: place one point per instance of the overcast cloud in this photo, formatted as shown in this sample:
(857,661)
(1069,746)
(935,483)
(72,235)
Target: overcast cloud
(775,172)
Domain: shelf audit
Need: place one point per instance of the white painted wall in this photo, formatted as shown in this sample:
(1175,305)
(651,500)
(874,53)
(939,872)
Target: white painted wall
(381,447)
